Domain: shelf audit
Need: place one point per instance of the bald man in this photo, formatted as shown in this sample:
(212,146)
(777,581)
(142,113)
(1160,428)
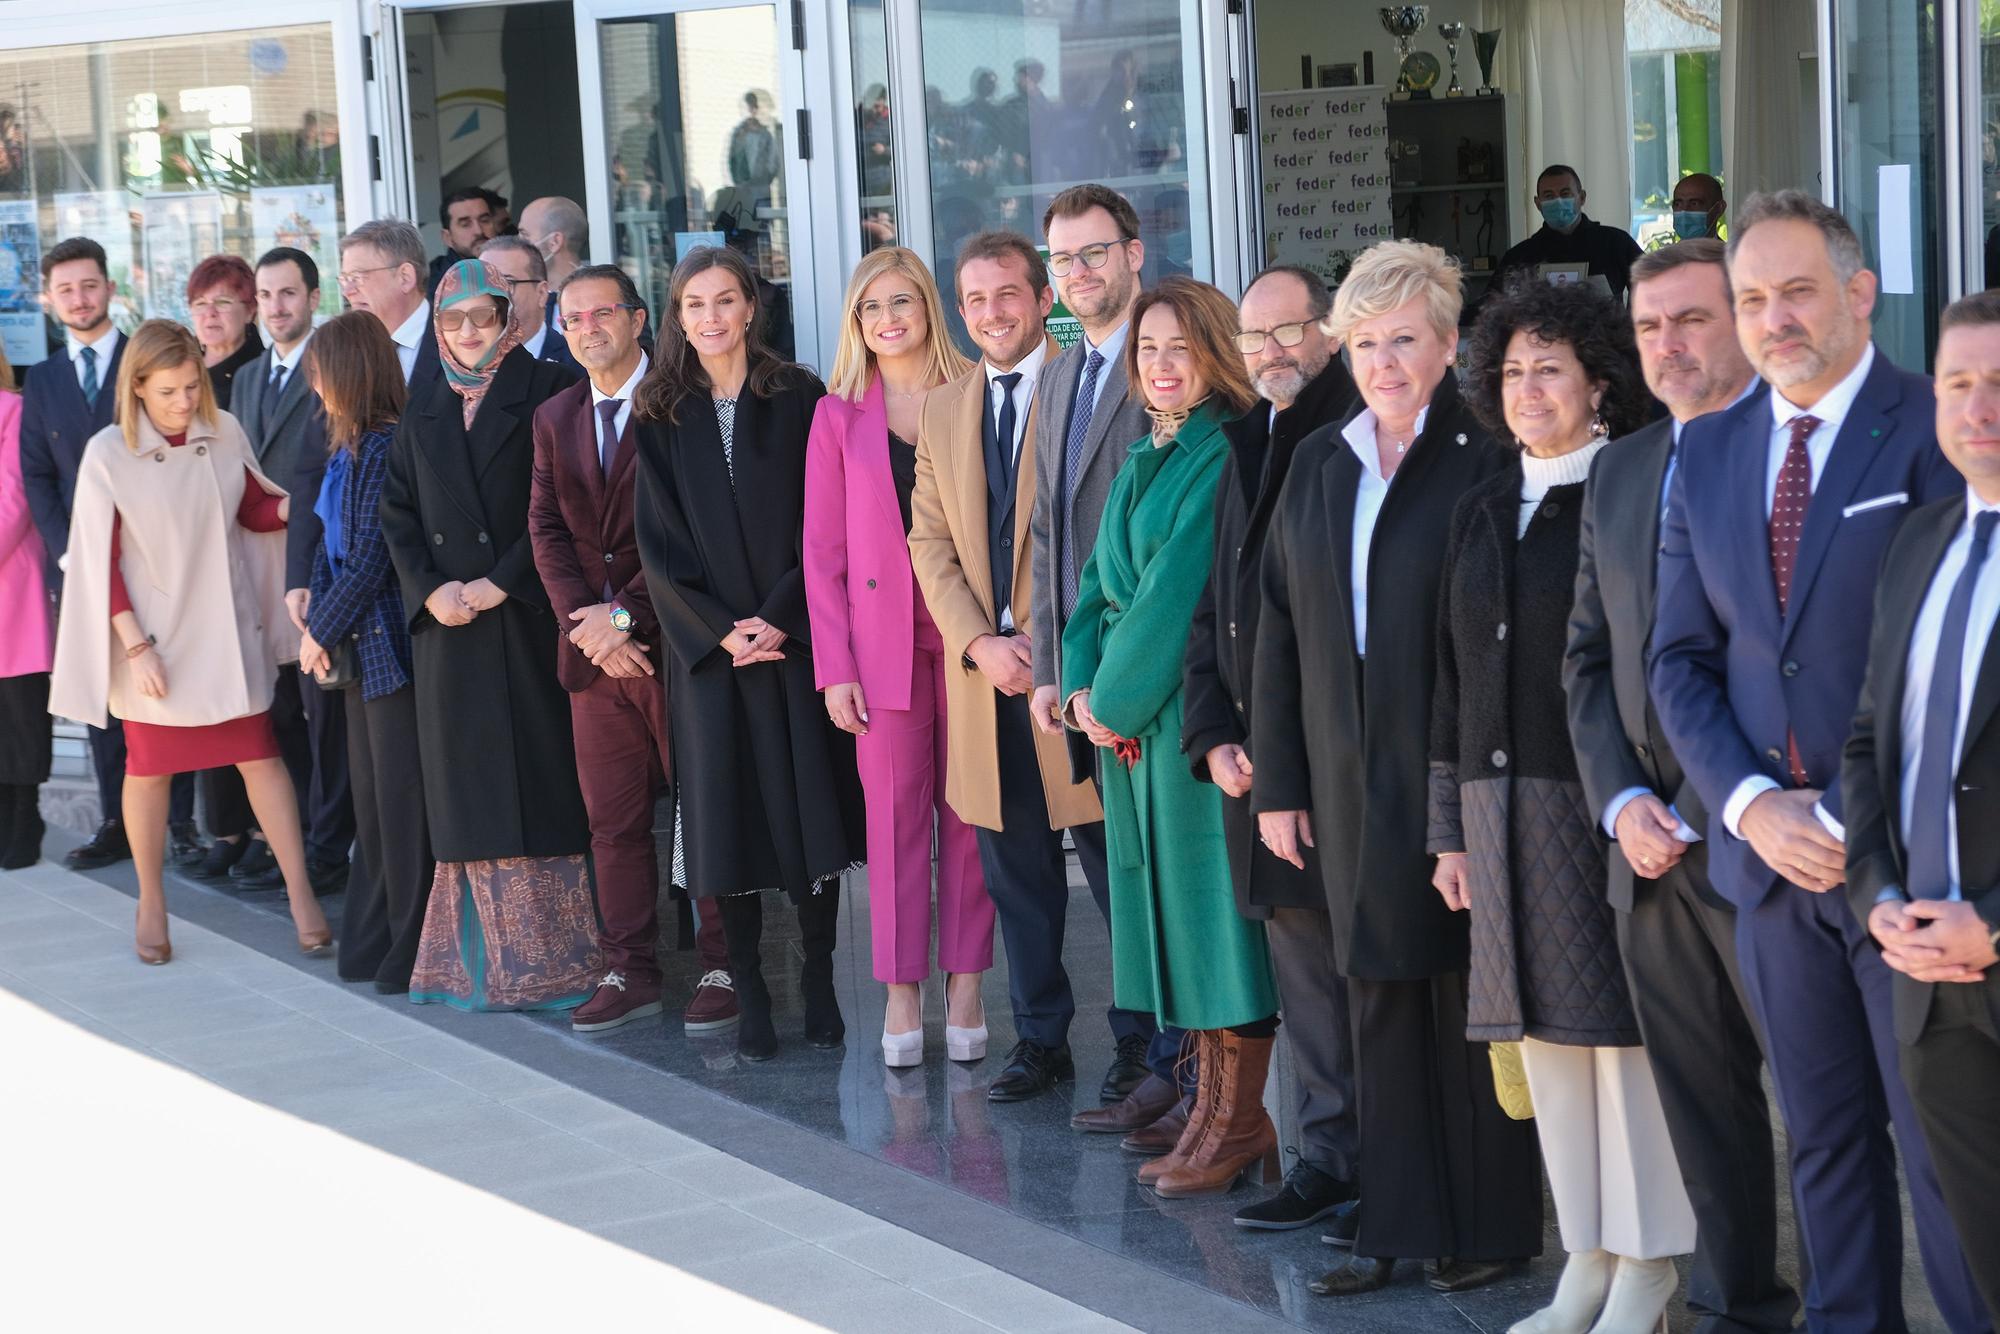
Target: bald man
(1698,206)
(558,228)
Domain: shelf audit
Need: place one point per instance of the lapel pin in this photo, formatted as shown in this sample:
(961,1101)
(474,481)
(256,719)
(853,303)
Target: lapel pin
(1876,433)
(1461,437)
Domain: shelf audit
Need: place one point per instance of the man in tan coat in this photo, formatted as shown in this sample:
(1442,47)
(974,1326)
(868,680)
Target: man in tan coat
(969,544)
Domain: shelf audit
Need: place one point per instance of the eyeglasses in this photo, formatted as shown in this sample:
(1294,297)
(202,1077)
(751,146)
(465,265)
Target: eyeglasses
(1251,341)
(451,321)
(872,312)
(218,304)
(513,283)
(352,277)
(584,319)
(1093,257)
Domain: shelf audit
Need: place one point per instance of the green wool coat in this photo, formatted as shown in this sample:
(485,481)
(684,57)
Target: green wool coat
(1178,946)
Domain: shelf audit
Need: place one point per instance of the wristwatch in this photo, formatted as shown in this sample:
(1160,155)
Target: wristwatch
(621,619)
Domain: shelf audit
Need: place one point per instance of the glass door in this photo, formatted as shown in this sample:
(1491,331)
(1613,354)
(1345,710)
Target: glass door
(696,137)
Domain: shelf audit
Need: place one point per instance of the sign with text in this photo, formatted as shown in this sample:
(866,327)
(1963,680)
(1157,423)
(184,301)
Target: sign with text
(1325,158)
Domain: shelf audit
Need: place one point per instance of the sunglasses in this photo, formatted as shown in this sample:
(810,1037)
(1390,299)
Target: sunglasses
(451,321)
(1251,341)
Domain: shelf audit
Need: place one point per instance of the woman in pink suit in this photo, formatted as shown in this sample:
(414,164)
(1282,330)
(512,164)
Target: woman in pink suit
(878,657)
(27,648)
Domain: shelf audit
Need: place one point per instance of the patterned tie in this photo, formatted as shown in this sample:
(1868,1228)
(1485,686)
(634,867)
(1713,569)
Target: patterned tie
(1079,427)
(89,355)
(1788,523)
(607,438)
(1928,873)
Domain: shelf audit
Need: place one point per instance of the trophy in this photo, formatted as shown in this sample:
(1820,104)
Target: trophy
(1484,44)
(1452,32)
(1404,22)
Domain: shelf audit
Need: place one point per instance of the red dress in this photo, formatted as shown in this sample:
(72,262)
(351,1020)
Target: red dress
(154,750)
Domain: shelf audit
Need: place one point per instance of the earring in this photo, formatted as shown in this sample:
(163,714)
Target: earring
(1598,430)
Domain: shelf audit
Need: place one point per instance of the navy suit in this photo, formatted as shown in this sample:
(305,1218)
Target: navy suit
(1732,680)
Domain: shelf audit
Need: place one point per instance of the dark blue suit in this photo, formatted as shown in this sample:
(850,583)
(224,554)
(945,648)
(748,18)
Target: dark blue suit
(1732,680)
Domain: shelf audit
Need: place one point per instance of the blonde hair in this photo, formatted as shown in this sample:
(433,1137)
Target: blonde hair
(158,345)
(1390,274)
(853,363)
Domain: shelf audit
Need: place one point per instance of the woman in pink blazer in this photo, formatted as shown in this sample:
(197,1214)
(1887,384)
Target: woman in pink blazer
(27,648)
(878,656)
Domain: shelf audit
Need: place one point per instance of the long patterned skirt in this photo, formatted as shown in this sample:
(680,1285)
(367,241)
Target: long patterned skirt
(517,934)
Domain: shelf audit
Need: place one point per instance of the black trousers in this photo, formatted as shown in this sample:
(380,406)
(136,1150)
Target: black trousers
(1687,990)
(1446,1172)
(389,885)
(107,761)
(743,926)
(1953,1074)
(312,736)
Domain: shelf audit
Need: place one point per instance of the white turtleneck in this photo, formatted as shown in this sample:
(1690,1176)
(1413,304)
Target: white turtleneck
(1540,476)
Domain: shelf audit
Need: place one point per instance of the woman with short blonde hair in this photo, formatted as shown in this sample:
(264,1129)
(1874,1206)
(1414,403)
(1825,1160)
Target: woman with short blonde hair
(877,653)
(1394,274)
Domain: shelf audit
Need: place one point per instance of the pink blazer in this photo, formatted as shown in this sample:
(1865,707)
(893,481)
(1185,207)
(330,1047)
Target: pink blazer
(861,593)
(27,644)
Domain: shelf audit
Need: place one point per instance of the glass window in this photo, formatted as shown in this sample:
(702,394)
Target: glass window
(1025,101)
(874,145)
(1988,131)
(165,151)
(1674,48)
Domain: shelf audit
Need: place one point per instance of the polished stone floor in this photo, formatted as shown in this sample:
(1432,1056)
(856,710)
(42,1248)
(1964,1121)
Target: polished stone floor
(1013,1184)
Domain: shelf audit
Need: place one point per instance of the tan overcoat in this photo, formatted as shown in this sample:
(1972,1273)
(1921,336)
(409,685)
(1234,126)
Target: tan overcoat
(947,517)
(209,592)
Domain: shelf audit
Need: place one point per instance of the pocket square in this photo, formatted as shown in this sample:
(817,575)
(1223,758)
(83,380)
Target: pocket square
(1880,502)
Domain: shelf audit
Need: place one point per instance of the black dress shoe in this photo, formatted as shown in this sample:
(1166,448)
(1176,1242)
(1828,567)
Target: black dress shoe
(106,846)
(184,845)
(1128,1069)
(221,855)
(1361,1273)
(1031,1070)
(1345,1226)
(392,988)
(257,868)
(327,877)
(1307,1196)
(1452,1275)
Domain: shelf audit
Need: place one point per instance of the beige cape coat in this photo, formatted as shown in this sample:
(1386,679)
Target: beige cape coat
(209,592)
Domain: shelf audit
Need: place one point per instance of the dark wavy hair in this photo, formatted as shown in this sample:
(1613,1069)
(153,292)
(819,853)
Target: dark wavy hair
(1592,322)
(677,372)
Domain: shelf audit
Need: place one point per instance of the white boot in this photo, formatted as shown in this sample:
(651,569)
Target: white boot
(1579,1293)
(1640,1291)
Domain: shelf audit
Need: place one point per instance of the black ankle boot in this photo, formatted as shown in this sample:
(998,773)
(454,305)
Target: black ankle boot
(743,928)
(21,827)
(818,916)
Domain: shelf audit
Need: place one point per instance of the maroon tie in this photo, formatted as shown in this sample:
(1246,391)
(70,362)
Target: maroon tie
(1788,525)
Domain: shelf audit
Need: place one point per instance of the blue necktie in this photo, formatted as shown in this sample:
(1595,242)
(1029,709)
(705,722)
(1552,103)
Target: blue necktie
(607,442)
(1003,431)
(90,376)
(1079,427)
(1928,870)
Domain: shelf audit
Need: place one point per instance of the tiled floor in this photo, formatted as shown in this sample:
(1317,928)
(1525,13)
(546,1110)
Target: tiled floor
(1011,1186)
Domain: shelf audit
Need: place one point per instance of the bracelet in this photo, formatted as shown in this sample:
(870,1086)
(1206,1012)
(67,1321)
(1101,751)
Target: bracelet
(142,646)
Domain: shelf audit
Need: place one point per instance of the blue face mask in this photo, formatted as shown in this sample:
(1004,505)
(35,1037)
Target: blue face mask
(1560,213)
(1688,225)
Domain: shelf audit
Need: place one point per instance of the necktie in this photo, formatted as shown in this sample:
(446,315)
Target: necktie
(607,436)
(89,355)
(1079,427)
(276,384)
(1003,430)
(1788,524)
(1928,870)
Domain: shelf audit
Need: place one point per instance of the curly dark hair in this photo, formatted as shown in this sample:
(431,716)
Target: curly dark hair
(1592,322)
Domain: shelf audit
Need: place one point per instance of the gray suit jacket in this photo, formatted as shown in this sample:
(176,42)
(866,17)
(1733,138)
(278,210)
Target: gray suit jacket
(1119,420)
(289,437)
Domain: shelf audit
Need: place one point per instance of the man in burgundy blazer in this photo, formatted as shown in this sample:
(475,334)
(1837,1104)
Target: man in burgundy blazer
(580,522)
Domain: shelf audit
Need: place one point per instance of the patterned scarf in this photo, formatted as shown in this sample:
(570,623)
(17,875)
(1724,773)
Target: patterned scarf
(463,281)
(1167,425)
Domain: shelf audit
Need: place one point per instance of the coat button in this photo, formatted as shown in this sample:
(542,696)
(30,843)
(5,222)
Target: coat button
(1791,667)
(607,558)
(437,539)
(1550,510)
(201,449)
(1499,759)
(1501,632)
(482,539)
(1006,543)
(1774,755)
(1644,753)
(871,583)
(160,456)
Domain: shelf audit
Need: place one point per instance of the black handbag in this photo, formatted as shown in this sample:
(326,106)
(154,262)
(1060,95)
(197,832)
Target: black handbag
(343,667)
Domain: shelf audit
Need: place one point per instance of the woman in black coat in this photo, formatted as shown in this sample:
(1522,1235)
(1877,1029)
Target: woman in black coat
(1517,843)
(1340,733)
(769,795)
(506,818)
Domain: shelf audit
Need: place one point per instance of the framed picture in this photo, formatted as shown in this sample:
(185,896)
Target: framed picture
(1339,76)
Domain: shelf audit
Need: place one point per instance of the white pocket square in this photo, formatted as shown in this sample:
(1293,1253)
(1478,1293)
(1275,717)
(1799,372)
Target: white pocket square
(1880,502)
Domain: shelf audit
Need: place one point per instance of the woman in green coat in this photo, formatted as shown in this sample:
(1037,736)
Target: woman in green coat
(1178,946)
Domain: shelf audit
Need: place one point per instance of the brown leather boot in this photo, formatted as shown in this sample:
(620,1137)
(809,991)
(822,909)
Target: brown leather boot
(1208,1060)
(1238,1134)
(1161,1136)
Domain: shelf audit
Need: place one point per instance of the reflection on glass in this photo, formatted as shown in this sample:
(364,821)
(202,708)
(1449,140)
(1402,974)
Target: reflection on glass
(1988,94)
(874,144)
(697,144)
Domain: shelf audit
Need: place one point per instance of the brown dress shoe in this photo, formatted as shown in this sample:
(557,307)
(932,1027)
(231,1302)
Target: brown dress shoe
(1135,1111)
(1207,1063)
(1161,1136)
(1239,1136)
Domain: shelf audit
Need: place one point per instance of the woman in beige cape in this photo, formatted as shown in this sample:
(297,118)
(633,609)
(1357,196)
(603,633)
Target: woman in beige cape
(173,614)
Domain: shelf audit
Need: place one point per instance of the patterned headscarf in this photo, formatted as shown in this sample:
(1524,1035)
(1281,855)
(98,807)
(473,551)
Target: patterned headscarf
(463,281)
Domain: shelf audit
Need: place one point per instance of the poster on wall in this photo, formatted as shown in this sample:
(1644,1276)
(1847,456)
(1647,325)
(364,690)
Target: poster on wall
(21,327)
(106,217)
(305,217)
(1325,158)
(181,230)
(1062,326)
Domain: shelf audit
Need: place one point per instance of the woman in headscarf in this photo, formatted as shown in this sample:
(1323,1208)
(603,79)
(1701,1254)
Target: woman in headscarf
(511,923)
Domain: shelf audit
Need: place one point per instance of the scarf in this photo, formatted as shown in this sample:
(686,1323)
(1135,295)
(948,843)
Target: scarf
(1167,425)
(463,281)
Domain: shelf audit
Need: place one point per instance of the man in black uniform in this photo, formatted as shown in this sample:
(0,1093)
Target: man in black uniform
(1568,236)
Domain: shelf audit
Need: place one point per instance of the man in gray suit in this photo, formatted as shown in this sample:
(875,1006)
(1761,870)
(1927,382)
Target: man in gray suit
(1084,419)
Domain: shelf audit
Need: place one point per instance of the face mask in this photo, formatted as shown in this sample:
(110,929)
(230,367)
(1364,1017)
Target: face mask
(1180,248)
(1560,213)
(1688,225)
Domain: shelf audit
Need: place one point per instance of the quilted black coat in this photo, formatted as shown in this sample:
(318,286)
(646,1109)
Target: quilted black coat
(1504,783)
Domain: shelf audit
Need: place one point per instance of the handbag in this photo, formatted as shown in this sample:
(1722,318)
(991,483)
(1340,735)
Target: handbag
(1510,1080)
(343,667)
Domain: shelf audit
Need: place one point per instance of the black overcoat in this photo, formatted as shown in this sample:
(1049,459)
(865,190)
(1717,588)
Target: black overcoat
(1350,744)
(769,793)
(493,727)
(1217,670)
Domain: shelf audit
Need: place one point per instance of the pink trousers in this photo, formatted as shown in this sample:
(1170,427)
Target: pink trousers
(902,763)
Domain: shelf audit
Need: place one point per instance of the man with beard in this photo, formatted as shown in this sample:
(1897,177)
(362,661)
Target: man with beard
(1779,513)
(1298,372)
